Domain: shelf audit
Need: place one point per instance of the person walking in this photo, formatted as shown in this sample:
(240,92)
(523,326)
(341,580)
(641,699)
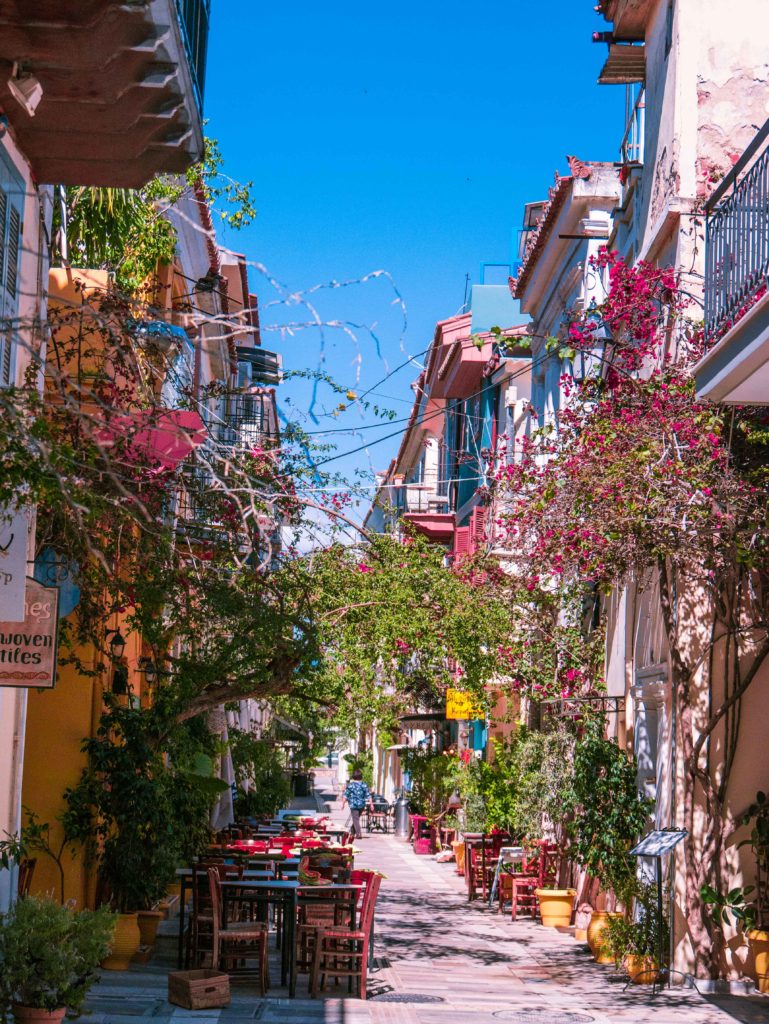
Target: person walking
(357,796)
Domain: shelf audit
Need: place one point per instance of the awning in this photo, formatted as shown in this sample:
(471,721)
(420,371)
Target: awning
(625,64)
(164,438)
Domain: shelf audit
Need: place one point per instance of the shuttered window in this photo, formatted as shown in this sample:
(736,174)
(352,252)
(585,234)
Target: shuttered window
(11,207)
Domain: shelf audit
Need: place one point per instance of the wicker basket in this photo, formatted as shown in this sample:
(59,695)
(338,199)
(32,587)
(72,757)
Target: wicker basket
(198,990)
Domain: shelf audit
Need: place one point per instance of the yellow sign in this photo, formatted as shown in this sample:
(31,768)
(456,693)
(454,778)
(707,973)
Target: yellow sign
(460,704)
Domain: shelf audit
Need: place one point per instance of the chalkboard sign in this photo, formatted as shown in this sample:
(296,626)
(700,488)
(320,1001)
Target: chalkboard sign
(657,844)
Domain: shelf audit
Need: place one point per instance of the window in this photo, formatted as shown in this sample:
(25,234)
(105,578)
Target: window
(11,207)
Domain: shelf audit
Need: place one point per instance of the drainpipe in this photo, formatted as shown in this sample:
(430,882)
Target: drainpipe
(9,878)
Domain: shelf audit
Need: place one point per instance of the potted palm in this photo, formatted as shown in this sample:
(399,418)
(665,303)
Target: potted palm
(49,955)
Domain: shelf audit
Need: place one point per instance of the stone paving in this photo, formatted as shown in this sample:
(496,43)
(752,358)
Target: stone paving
(441,960)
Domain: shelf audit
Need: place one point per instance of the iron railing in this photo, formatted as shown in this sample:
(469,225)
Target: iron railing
(245,420)
(632,145)
(737,240)
(194,19)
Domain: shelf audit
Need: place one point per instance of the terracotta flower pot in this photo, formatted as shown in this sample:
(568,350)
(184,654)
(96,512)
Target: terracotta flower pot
(125,943)
(148,921)
(596,937)
(759,947)
(556,906)
(642,970)
(34,1015)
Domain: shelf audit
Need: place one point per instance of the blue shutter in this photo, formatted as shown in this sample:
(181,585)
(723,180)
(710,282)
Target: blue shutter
(11,226)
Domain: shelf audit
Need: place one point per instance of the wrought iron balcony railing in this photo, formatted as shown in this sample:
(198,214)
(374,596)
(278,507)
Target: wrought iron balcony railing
(194,18)
(737,239)
(245,420)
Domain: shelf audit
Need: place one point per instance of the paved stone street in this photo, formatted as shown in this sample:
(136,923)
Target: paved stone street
(440,960)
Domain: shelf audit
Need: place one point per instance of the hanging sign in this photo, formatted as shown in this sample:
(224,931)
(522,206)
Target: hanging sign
(461,705)
(14,530)
(28,648)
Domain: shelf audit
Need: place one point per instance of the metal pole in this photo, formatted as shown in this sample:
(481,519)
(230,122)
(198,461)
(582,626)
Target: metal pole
(660,917)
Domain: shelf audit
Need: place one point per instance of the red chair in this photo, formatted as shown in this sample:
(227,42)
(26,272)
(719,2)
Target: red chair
(343,952)
(538,873)
(482,866)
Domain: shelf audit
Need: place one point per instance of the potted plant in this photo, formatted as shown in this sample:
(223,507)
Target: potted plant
(750,912)
(609,815)
(556,906)
(144,816)
(635,941)
(49,955)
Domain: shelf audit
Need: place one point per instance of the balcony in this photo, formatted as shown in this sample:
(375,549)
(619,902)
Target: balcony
(246,420)
(735,368)
(632,145)
(122,87)
(428,512)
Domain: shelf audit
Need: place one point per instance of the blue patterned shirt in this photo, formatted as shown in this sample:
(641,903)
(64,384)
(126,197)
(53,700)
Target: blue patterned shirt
(357,794)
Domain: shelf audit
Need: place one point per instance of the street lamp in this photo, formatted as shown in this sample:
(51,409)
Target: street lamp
(150,670)
(116,644)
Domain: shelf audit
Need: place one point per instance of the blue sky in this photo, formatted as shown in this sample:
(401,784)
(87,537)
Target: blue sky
(404,137)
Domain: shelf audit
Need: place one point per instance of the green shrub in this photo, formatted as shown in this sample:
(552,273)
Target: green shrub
(49,953)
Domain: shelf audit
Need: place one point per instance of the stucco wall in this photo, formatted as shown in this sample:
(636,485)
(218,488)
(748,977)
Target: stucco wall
(33,272)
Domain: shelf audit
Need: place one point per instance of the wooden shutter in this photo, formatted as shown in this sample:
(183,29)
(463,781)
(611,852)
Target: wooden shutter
(461,540)
(11,207)
(478,527)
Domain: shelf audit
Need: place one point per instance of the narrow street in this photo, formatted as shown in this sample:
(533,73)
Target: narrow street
(439,959)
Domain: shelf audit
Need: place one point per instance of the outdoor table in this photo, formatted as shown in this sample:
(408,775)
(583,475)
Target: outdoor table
(289,895)
(507,855)
(185,877)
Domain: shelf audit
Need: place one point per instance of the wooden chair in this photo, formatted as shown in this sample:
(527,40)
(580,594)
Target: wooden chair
(325,914)
(343,952)
(236,940)
(483,864)
(26,871)
(538,873)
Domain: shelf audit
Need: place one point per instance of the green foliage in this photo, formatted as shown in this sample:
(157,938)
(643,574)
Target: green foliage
(147,816)
(49,953)
(433,779)
(261,764)
(609,813)
(746,910)
(637,932)
(127,230)
(364,760)
(544,771)
(735,903)
(35,837)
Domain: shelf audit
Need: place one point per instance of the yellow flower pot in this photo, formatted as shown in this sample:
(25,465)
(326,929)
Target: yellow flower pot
(596,937)
(458,846)
(642,970)
(759,947)
(556,906)
(125,943)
